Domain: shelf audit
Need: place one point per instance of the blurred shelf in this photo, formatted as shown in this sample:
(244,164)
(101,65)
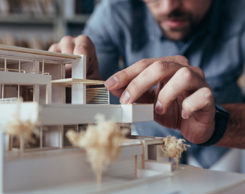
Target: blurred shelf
(27,19)
(78,19)
(36,20)
(30,22)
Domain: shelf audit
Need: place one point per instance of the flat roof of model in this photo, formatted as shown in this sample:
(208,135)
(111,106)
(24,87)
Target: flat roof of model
(27,53)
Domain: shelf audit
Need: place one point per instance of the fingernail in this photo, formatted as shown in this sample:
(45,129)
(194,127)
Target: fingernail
(184,115)
(125,97)
(111,82)
(158,107)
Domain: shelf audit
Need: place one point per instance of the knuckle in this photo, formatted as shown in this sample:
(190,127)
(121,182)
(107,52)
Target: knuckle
(182,59)
(186,74)
(53,47)
(207,103)
(82,48)
(123,75)
(160,66)
(66,39)
(83,38)
(207,93)
(143,61)
(84,44)
(200,72)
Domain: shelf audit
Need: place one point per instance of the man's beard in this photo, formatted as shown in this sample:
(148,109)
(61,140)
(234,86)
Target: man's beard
(182,33)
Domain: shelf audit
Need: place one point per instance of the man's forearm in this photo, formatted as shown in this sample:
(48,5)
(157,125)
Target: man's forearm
(235,132)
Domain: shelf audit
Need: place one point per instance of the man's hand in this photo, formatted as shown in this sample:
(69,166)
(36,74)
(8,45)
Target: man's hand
(77,46)
(182,98)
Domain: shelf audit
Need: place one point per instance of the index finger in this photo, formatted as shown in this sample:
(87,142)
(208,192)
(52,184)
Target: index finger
(155,73)
(122,78)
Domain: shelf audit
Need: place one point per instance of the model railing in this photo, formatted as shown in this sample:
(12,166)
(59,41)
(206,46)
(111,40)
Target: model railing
(8,61)
(9,100)
(12,70)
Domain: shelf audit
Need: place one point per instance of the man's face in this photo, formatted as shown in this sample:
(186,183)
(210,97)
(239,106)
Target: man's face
(177,18)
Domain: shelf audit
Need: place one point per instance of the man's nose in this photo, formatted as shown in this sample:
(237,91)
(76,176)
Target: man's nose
(167,6)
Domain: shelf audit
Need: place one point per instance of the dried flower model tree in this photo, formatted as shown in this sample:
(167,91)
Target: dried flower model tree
(101,141)
(173,148)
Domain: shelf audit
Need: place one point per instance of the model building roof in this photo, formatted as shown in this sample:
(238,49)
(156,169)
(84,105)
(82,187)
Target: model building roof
(25,53)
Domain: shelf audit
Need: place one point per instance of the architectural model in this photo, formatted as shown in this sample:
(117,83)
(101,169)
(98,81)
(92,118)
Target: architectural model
(33,96)
(38,79)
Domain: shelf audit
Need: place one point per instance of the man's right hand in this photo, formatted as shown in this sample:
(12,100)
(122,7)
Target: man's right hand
(77,46)
(183,99)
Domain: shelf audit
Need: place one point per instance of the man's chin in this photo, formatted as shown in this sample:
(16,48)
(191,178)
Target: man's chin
(175,35)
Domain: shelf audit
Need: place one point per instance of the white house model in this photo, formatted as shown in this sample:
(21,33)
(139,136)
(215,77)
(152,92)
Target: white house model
(38,78)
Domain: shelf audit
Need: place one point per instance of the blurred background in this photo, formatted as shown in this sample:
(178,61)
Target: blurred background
(38,23)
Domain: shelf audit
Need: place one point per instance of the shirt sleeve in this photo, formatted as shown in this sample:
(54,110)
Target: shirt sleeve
(103,31)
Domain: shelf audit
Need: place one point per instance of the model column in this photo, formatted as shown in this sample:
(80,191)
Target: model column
(78,91)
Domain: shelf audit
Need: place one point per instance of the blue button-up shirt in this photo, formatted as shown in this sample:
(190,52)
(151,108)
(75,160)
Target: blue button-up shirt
(125,30)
